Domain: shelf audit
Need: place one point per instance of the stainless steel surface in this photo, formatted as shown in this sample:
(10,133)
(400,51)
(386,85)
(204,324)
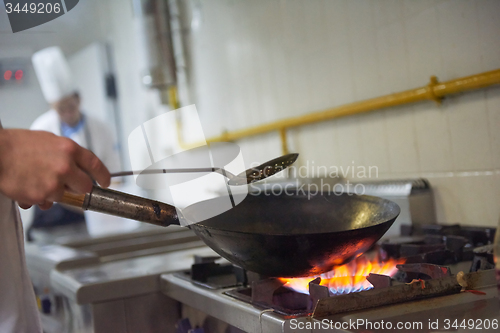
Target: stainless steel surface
(397,187)
(54,235)
(139,243)
(81,251)
(123,278)
(78,235)
(151,313)
(122,296)
(71,238)
(56,256)
(220,306)
(70,249)
(42,259)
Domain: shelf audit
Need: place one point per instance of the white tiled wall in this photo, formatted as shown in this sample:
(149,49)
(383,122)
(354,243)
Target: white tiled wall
(257,61)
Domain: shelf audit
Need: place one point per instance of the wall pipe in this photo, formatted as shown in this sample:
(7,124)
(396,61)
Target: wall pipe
(433,91)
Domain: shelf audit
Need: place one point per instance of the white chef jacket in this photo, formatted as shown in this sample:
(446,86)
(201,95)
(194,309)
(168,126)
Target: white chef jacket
(100,135)
(18,310)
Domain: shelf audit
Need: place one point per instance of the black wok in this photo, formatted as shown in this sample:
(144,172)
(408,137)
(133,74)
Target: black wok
(297,235)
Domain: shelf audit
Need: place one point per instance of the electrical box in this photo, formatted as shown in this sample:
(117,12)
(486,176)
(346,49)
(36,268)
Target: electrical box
(13,71)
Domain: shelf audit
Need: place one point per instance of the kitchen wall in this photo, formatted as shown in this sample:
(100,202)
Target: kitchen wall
(258,61)
(137,103)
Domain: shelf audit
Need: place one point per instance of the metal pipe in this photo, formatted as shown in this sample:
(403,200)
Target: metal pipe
(284,143)
(152,25)
(130,206)
(125,205)
(433,91)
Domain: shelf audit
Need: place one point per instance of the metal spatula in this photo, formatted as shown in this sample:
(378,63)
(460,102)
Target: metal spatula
(246,177)
(155,212)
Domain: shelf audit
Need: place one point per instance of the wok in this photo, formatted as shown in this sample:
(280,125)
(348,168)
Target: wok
(285,235)
(294,235)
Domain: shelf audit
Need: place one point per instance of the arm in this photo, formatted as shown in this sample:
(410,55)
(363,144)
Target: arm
(37,167)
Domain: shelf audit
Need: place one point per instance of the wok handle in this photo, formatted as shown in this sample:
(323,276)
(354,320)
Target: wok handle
(75,200)
(125,205)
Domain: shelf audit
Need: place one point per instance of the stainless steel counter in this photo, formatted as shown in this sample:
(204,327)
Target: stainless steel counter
(82,280)
(78,235)
(121,296)
(123,278)
(73,251)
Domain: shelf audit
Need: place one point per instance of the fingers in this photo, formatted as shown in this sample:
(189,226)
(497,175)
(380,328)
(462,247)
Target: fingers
(24,205)
(46,205)
(41,166)
(89,163)
(79,182)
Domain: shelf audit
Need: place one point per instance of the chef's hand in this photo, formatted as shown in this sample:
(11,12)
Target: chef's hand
(36,167)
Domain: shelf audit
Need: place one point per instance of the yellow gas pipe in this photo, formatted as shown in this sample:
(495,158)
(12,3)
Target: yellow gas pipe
(433,91)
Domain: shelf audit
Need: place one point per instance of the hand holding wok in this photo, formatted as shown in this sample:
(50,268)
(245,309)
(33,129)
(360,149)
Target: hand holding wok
(37,167)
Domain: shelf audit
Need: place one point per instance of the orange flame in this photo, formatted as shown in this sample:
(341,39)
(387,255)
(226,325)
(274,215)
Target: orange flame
(347,278)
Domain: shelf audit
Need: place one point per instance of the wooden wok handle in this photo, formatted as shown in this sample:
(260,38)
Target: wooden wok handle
(72,199)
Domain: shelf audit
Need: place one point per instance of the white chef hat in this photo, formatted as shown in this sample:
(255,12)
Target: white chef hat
(53,73)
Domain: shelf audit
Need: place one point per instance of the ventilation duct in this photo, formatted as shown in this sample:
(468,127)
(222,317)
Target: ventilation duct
(152,24)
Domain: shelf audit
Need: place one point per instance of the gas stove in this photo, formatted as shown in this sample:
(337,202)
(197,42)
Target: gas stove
(441,278)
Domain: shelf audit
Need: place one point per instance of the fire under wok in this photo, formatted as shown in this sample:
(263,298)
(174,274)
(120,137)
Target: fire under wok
(294,235)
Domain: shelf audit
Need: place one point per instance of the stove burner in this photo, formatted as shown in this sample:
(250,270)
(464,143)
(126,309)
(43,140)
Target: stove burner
(437,244)
(433,280)
(270,293)
(432,271)
(317,291)
(379,281)
(476,236)
(384,296)
(483,258)
(206,273)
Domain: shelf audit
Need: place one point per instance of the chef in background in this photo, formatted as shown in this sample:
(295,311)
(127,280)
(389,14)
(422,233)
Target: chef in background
(66,119)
